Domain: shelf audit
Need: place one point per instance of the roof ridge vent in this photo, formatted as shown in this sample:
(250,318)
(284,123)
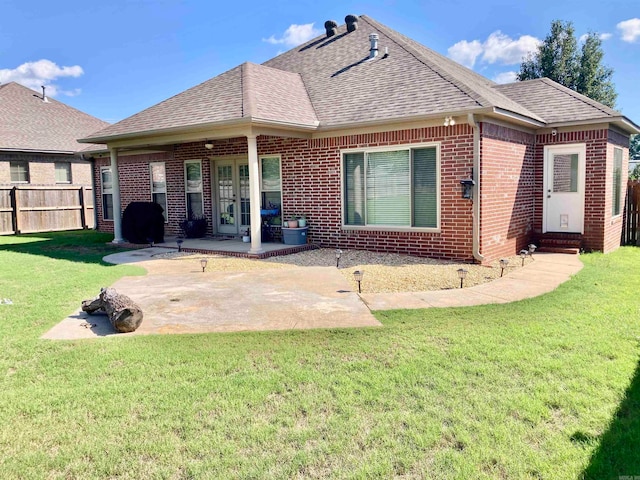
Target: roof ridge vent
(352,23)
(331,27)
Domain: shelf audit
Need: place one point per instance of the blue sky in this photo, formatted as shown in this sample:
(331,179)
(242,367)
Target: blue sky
(113,59)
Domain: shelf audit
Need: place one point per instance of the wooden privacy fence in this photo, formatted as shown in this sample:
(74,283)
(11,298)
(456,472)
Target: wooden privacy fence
(631,228)
(30,209)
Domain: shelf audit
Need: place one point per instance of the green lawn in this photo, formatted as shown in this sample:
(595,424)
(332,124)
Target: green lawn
(547,388)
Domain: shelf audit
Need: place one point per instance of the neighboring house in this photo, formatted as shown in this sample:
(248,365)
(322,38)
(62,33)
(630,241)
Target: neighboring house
(373,137)
(38,143)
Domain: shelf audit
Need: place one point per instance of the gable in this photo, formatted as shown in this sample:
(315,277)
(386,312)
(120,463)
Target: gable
(27,123)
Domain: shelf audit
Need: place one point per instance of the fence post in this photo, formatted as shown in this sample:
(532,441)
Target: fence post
(83,211)
(15,214)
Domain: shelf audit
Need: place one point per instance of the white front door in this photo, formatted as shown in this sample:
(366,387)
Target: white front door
(231,192)
(564,184)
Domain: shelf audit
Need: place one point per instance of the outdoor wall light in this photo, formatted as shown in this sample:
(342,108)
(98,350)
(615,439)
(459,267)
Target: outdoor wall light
(462,274)
(523,255)
(338,255)
(532,248)
(467,187)
(503,264)
(208,145)
(179,241)
(203,264)
(449,121)
(357,276)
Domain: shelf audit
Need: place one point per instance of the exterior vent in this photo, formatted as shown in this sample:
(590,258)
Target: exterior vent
(373,51)
(331,27)
(352,23)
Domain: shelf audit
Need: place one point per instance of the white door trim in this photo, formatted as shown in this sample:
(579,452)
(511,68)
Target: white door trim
(549,151)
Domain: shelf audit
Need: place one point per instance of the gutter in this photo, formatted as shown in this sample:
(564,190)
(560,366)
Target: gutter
(475,233)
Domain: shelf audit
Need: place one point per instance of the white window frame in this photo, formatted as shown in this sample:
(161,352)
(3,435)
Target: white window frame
(186,187)
(164,191)
(67,165)
(621,199)
(28,170)
(393,148)
(104,192)
(262,189)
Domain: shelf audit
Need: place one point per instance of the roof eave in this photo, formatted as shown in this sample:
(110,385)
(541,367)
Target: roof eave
(164,131)
(620,121)
(28,150)
(518,118)
(402,119)
(245,121)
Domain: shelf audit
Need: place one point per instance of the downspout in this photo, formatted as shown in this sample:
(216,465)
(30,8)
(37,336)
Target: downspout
(475,231)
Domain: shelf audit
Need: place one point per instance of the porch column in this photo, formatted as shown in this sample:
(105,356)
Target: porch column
(117,216)
(254,195)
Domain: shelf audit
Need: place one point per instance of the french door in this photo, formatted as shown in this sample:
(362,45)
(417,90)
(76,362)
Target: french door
(231,194)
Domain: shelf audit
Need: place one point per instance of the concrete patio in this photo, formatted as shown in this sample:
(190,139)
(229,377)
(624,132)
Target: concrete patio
(177,297)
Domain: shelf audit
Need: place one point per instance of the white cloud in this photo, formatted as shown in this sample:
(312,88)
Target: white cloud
(465,52)
(505,77)
(497,48)
(295,35)
(42,72)
(602,36)
(501,48)
(630,29)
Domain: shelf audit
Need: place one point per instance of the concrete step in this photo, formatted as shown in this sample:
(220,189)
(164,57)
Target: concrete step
(559,243)
(559,249)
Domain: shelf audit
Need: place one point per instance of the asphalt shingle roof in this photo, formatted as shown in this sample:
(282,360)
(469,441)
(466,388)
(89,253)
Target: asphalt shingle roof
(554,102)
(412,80)
(331,82)
(27,123)
(246,91)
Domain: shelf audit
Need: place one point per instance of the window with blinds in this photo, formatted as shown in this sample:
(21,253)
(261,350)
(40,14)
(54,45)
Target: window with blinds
(63,172)
(617,180)
(159,185)
(19,172)
(193,189)
(271,189)
(106,180)
(395,188)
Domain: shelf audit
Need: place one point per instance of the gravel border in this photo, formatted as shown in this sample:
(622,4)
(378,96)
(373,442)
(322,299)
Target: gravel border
(383,272)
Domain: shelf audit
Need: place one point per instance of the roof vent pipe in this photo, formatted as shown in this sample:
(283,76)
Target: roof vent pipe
(352,23)
(44,95)
(331,27)
(373,51)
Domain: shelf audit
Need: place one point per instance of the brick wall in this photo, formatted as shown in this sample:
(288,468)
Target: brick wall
(601,230)
(506,189)
(42,168)
(311,185)
(511,179)
(135,183)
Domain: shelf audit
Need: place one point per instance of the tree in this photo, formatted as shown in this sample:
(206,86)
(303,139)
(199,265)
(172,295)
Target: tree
(594,79)
(634,147)
(558,58)
(634,154)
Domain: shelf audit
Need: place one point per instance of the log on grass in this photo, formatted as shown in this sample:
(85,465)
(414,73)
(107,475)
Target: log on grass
(124,314)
